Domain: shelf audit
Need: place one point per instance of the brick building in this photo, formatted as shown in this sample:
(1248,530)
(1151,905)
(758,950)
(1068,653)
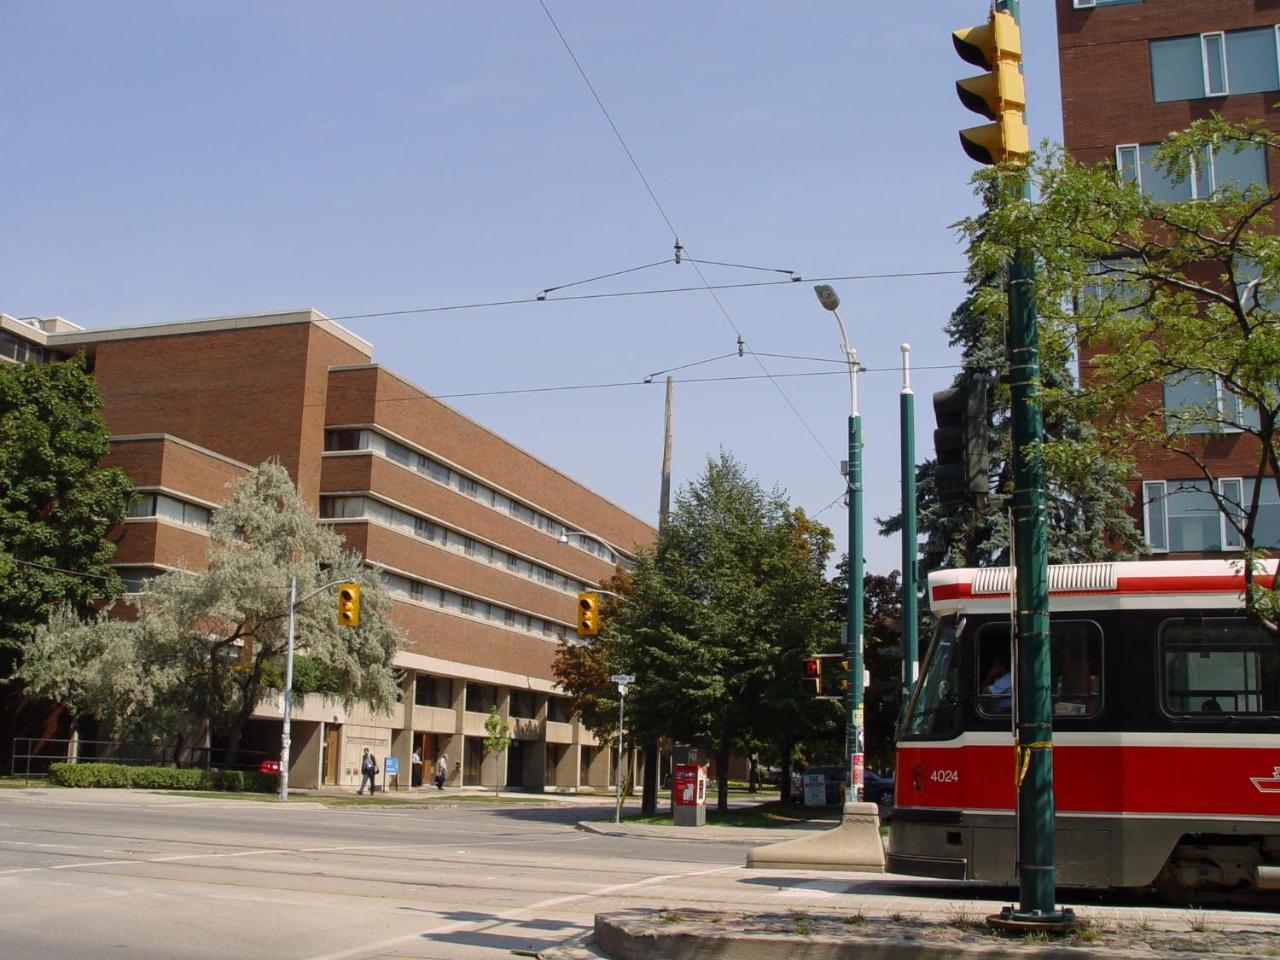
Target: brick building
(1132,71)
(464,526)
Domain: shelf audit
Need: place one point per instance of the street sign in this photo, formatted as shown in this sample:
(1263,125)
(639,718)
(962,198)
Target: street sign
(623,678)
(391,765)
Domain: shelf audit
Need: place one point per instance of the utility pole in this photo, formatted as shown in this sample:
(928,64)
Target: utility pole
(653,747)
(1000,95)
(853,739)
(910,548)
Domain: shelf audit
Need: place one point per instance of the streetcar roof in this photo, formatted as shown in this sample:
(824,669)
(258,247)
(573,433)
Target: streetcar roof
(1126,585)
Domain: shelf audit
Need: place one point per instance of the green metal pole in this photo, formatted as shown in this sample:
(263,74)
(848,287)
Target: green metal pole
(910,549)
(1034,759)
(853,730)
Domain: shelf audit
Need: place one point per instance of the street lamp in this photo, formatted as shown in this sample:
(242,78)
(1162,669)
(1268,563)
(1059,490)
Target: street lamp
(830,300)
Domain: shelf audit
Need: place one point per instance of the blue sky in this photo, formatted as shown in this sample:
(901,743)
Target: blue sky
(170,161)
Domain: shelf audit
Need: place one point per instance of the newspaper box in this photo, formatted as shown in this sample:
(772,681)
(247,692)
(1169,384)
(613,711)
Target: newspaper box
(689,790)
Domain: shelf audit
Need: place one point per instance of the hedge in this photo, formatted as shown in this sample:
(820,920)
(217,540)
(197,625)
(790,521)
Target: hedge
(158,778)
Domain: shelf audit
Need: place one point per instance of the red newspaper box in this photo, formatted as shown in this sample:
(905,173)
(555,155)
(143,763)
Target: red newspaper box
(689,792)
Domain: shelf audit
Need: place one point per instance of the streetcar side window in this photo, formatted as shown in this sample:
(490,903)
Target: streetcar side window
(934,710)
(1075,669)
(1219,665)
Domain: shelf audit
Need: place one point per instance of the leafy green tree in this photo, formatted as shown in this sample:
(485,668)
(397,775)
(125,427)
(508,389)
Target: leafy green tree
(882,658)
(57,503)
(1165,294)
(497,737)
(1087,501)
(205,643)
(715,622)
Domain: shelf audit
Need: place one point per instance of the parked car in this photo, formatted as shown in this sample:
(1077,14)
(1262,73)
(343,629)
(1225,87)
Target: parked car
(876,787)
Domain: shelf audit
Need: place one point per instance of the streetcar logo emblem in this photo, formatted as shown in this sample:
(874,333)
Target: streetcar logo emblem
(1269,784)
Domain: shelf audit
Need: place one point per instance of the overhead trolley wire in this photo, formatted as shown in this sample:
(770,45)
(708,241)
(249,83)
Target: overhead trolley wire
(675,233)
(519,301)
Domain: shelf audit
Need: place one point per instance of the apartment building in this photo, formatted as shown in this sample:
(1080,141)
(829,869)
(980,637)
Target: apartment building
(465,527)
(1131,72)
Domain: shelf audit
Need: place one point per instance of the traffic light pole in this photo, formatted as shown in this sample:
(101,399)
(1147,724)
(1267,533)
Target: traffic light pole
(286,695)
(1034,755)
(910,549)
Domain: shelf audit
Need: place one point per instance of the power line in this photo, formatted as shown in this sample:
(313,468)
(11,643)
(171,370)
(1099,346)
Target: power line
(570,387)
(519,301)
(70,573)
(676,236)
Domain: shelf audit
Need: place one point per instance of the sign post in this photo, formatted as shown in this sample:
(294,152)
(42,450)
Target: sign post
(390,767)
(623,680)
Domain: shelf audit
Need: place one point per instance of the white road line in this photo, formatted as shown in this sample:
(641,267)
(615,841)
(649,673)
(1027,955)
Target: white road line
(509,915)
(286,851)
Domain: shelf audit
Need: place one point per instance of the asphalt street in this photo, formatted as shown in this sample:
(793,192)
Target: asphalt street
(121,874)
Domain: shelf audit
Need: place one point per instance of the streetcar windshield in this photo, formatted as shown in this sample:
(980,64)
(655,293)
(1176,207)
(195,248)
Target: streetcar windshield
(934,710)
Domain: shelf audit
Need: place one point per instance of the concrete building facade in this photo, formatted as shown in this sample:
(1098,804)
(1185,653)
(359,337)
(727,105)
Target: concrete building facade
(464,526)
(1131,72)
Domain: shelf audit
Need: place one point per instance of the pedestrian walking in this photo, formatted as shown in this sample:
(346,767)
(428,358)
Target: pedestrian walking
(442,770)
(368,771)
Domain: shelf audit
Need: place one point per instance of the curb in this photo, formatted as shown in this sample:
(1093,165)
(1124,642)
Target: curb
(605,829)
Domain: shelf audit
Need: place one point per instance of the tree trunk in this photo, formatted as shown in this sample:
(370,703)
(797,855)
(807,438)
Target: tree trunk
(649,799)
(722,780)
(784,789)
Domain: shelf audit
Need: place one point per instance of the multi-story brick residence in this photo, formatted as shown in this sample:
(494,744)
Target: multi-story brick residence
(464,526)
(1132,71)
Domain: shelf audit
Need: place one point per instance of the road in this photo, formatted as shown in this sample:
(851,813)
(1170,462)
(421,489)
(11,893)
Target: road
(118,874)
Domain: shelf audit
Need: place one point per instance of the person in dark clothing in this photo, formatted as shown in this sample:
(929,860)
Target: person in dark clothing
(368,770)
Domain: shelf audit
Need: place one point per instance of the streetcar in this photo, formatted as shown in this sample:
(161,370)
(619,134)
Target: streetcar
(1166,732)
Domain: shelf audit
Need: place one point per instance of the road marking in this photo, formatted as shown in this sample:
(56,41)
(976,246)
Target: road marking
(279,850)
(507,916)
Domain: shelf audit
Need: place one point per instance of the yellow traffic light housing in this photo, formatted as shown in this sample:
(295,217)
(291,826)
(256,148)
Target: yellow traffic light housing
(588,614)
(1000,95)
(348,604)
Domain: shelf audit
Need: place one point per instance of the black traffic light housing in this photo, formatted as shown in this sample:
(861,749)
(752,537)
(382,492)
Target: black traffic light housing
(811,676)
(960,442)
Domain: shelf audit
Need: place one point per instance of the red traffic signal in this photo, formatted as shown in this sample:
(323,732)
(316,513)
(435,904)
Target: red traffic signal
(811,676)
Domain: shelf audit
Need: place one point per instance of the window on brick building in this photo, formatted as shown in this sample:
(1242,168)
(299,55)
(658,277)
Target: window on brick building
(432,691)
(481,697)
(1215,64)
(1196,403)
(1238,167)
(1182,516)
(1090,4)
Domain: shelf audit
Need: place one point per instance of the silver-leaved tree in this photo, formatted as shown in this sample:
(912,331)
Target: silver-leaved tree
(207,645)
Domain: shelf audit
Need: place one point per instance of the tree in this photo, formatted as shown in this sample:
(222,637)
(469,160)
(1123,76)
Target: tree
(205,643)
(57,503)
(1166,298)
(715,623)
(1087,502)
(496,739)
(882,657)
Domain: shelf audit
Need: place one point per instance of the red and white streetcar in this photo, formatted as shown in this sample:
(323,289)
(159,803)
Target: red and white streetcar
(1166,740)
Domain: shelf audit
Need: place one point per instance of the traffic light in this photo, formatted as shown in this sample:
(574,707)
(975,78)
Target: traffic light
(999,95)
(348,604)
(811,676)
(588,614)
(960,442)
(842,681)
